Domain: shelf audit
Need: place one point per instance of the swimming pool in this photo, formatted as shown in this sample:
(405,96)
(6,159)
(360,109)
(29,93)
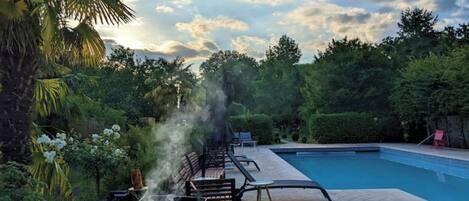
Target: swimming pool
(430,177)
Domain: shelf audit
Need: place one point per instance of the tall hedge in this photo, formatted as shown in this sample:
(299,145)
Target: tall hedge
(353,127)
(260,125)
(341,127)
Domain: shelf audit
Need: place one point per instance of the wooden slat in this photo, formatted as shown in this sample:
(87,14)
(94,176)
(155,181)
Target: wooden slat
(216,190)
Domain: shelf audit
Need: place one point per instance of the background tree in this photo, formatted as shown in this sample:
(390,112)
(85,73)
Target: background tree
(121,83)
(37,32)
(242,69)
(349,76)
(277,89)
(171,85)
(432,87)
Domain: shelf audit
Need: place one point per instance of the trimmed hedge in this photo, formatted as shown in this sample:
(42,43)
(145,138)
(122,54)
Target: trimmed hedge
(260,125)
(353,127)
(341,127)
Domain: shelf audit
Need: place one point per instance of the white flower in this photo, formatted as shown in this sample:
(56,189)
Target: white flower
(93,150)
(117,135)
(108,132)
(43,139)
(116,128)
(118,152)
(70,139)
(95,137)
(106,142)
(62,136)
(59,143)
(49,155)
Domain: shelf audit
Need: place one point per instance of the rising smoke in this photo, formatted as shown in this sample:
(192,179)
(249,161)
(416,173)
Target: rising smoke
(174,135)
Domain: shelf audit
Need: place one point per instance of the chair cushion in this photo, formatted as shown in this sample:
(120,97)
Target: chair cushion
(245,136)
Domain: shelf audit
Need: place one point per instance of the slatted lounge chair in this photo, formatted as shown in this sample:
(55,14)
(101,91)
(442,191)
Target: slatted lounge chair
(277,183)
(212,189)
(210,171)
(248,161)
(242,158)
(245,159)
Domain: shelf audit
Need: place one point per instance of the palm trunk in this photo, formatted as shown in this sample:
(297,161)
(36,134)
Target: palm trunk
(16,101)
(18,63)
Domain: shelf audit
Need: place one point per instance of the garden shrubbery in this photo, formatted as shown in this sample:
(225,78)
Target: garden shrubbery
(260,125)
(353,127)
(17,184)
(341,127)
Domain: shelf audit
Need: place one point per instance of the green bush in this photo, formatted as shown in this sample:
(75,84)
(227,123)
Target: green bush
(295,136)
(389,129)
(304,140)
(90,109)
(342,128)
(260,125)
(17,184)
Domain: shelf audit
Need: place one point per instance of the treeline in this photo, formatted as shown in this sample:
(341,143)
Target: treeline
(399,84)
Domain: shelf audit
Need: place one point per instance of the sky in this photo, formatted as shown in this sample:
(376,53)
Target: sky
(194,29)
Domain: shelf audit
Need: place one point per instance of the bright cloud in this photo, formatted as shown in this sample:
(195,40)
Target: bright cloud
(342,21)
(181,3)
(128,35)
(267,2)
(404,4)
(201,27)
(171,49)
(164,9)
(251,45)
(195,29)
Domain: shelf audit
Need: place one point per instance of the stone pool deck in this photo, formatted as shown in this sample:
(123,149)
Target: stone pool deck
(273,167)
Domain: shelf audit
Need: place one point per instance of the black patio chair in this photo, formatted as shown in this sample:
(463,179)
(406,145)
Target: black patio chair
(304,184)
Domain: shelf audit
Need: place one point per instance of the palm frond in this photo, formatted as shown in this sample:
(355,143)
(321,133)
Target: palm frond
(83,44)
(102,11)
(52,70)
(49,16)
(92,47)
(12,10)
(49,95)
(18,28)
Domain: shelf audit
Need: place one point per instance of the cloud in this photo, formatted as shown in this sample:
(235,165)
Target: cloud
(314,45)
(130,3)
(435,5)
(250,45)
(181,3)
(164,9)
(322,17)
(170,49)
(267,2)
(201,27)
(127,34)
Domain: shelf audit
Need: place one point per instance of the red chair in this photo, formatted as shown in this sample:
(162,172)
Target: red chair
(439,140)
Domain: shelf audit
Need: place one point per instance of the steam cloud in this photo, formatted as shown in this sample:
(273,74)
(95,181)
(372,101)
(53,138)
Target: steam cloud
(174,137)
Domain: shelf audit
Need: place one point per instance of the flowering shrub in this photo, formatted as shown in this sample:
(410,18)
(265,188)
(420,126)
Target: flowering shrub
(49,165)
(98,155)
(51,148)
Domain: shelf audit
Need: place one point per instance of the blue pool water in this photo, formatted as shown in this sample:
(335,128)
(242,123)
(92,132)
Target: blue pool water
(429,177)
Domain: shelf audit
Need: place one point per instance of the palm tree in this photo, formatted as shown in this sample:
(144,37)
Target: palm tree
(171,85)
(39,33)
